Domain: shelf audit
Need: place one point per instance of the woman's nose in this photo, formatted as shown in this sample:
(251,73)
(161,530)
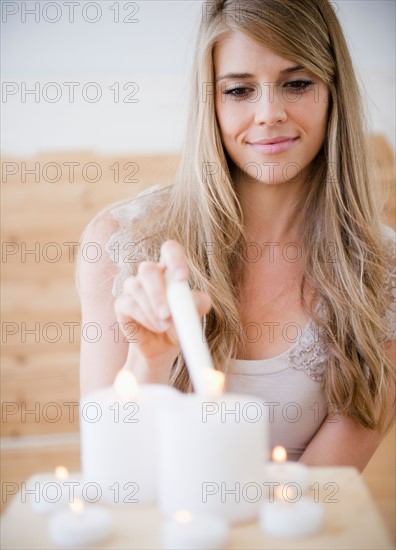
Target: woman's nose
(270,106)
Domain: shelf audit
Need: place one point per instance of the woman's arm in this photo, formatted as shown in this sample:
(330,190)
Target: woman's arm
(130,329)
(342,442)
(100,360)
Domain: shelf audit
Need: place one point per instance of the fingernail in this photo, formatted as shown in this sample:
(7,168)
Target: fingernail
(180,274)
(163,311)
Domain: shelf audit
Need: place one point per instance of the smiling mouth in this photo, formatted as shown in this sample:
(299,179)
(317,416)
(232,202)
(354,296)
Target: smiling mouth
(271,141)
(274,146)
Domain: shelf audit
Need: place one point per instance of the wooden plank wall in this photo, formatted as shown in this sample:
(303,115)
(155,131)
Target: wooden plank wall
(39,372)
(39,369)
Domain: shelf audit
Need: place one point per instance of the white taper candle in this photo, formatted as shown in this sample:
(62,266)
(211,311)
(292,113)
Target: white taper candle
(189,330)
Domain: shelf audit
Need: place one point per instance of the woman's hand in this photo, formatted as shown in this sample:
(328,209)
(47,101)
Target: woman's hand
(143,313)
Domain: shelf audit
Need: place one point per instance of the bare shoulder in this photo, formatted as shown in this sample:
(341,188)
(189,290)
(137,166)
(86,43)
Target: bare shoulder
(95,269)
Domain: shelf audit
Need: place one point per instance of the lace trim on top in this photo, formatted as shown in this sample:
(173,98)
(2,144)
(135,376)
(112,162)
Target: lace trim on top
(121,249)
(311,353)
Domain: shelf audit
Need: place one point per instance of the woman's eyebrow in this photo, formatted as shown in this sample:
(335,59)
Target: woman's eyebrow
(249,75)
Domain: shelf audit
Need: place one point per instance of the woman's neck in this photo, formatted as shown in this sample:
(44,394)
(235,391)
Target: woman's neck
(269,210)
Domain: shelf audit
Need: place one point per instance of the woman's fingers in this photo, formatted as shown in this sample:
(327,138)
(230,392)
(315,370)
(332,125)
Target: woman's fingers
(143,306)
(141,291)
(127,309)
(173,258)
(152,279)
(203,302)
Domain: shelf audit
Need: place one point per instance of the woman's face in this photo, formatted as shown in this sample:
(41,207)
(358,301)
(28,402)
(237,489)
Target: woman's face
(258,98)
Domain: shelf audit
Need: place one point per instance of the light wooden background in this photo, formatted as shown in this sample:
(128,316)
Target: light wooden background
(39,371)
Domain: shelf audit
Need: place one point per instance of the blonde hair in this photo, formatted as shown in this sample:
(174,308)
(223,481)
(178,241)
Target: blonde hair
(204,211)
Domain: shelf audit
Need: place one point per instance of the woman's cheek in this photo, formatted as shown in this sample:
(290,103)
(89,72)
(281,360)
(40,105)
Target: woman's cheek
(232,119)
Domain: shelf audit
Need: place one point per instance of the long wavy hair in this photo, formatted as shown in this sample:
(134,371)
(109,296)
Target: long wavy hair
(203,211)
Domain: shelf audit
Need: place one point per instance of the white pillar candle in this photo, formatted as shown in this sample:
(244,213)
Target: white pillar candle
(188,532)
(212,456)
(48,492)
(284,472)
(291,519)
(119,440)
(211,452)
(80,525)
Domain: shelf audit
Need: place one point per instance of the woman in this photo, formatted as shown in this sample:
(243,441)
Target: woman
(273,221)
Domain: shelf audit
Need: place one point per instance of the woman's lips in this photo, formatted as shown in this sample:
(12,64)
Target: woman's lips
(274,148)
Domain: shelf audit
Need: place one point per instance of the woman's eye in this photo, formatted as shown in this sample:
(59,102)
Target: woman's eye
(299,85)
(241,92)
(237,92)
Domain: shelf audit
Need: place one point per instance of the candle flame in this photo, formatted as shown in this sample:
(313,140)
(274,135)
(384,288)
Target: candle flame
(183,516)
(61,472)
(279,454)
(77,507)
(125,384)
(214,381)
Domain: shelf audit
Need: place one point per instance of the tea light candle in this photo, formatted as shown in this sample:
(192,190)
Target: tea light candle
(291,519)
(283,471)
(187,532)
(80,525)
(119,439)
(47,492)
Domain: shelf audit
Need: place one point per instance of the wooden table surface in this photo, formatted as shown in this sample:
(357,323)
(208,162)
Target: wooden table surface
(352,521)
